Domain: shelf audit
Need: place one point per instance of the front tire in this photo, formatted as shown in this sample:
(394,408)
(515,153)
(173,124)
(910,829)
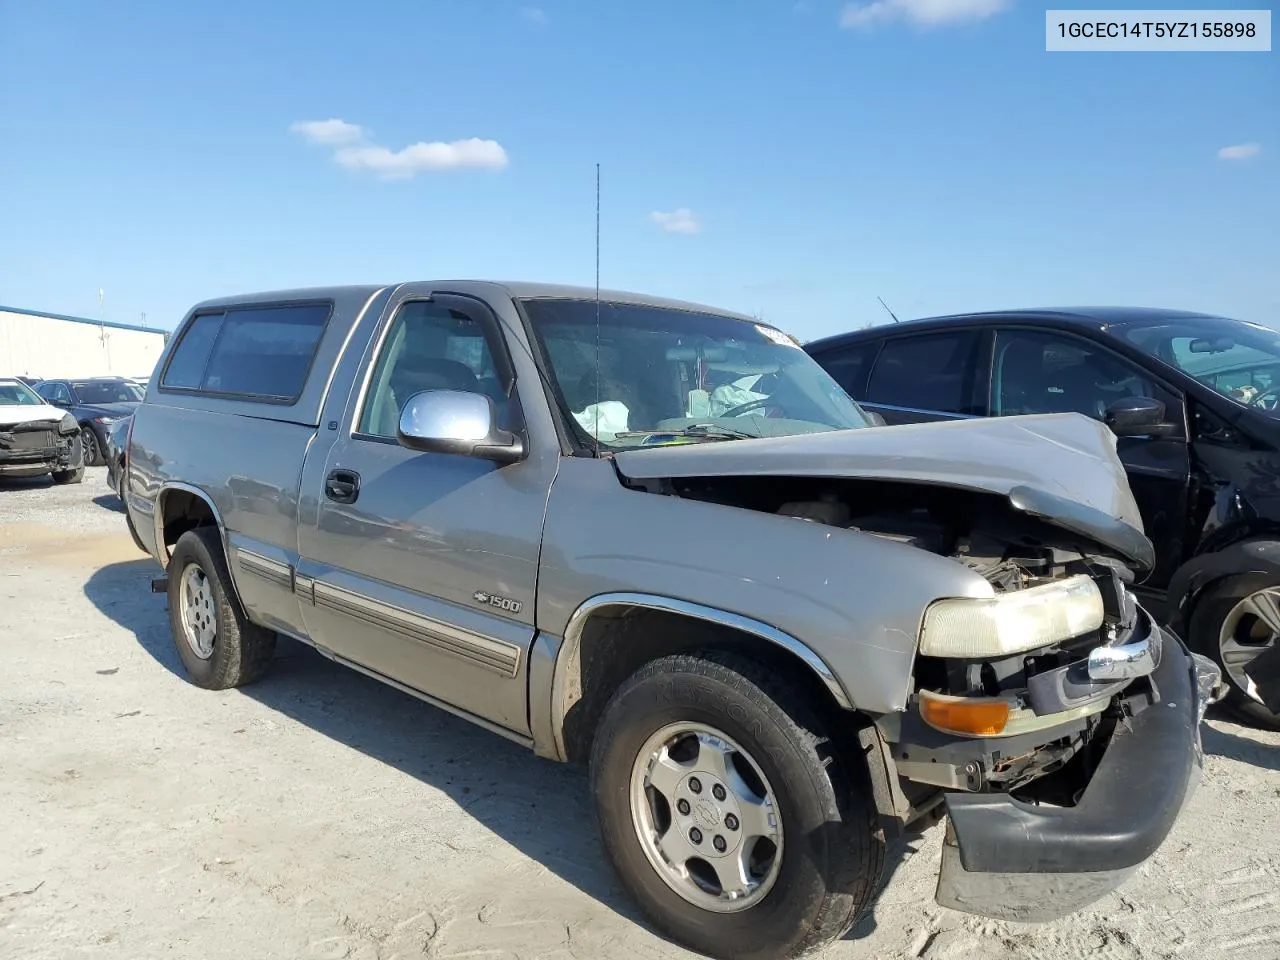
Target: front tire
(219,646)
(1235,620)
(68,476)
(90,445)
(728,812)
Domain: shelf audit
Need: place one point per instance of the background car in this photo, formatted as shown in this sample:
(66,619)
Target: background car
(1194,401)
(96,404)
(36,438)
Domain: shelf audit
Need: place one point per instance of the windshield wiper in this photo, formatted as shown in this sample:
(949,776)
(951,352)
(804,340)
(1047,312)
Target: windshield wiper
(699,431)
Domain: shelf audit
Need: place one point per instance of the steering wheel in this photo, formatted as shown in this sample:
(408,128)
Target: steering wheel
(756,404)
(1272,392)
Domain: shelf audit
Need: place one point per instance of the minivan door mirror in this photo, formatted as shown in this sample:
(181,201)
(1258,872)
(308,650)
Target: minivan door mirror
(455,421)
(1137,417)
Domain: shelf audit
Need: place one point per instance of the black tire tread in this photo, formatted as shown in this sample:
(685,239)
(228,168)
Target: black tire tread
(243,650)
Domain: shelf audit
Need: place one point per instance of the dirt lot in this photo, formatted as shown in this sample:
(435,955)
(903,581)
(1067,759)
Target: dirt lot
(318,814)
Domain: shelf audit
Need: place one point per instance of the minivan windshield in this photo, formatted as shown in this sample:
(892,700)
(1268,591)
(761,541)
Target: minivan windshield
(107,391)
(1239,360)
(653,375)
(17,393)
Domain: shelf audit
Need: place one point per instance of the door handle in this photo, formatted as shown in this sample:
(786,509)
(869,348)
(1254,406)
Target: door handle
(342,486)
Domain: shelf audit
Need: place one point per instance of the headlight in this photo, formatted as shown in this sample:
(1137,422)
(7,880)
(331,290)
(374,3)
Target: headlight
(1012,622)
(68,425)
(105,420)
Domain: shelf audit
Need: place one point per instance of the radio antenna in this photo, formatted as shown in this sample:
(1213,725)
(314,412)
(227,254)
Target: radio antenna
(597,412)
(891,313)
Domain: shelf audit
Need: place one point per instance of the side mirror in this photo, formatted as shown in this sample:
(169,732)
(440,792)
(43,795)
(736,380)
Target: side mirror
(877,420)
(1137,417)
(453,421)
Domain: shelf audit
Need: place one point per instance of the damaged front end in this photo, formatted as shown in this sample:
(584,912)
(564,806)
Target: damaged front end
(35,447)
(1049,716)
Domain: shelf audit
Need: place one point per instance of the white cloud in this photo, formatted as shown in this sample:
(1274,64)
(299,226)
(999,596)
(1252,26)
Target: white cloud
(329,133)
(354,150)
(1240,151)
(535,15)
(680,220)
(926,13)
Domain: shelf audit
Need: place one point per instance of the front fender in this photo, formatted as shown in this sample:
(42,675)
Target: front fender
(1258,555)
(853,599)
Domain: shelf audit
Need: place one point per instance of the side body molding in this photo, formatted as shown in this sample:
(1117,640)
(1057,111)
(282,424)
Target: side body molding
(566,683)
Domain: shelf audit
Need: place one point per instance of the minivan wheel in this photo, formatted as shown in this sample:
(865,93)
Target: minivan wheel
(219,647)
(1233,622)
(727,811)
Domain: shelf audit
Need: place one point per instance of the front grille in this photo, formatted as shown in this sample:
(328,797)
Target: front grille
(24,438)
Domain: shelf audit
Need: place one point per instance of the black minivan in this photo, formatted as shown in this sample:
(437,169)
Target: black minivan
(1194,401)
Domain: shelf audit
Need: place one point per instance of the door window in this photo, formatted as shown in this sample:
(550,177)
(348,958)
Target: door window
(848,366)
(55,392)
(428,347)
(932,372)
(1040,372)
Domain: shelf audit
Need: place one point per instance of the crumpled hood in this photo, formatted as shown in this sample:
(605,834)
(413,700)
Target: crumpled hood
(13,413)
(1061,467)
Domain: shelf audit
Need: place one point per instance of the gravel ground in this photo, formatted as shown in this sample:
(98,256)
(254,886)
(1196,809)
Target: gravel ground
(318,814)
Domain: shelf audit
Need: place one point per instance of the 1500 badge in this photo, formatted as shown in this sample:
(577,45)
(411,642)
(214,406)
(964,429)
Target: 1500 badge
(492,600)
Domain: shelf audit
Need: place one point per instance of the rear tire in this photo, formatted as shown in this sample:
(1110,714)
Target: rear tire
(219,646)
(1223,629)
(811,884)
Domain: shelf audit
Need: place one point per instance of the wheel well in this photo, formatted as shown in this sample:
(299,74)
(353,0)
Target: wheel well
(618,640)
(182,510)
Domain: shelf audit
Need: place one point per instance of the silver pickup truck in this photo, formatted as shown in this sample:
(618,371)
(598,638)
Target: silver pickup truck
(658,539)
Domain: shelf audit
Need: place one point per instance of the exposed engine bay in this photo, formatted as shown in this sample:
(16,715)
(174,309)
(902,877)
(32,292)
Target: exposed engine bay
(1013,551)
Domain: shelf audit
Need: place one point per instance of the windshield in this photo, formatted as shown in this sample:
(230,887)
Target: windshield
(107,392)
(1239,360)
(17,393)
(673,376)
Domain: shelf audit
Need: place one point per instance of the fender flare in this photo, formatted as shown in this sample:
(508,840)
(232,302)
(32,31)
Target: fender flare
(566,684)
(1255,555)
(157,520)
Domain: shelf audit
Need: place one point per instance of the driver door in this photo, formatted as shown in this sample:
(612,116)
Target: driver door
(422,567)
(1046,371)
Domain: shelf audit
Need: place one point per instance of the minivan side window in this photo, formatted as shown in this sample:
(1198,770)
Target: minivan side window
(428,347)
(1036,371)
(257,352)
(849,366)
(932,371)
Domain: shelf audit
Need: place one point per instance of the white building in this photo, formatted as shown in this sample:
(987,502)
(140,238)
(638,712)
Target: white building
(47,345)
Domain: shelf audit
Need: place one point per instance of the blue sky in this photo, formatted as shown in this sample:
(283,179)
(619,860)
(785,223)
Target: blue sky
(938,157)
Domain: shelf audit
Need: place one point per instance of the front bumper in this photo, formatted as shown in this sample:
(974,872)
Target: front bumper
(34,452)
(1012,860)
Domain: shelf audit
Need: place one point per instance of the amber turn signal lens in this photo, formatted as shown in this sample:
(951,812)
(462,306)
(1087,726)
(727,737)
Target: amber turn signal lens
(973,716)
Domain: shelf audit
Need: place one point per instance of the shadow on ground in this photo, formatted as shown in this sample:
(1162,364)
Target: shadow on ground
(540,807)
(25,483)
(1227,743)
(109,501)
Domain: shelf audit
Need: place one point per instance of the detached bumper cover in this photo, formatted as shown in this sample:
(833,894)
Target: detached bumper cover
(1008,859)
